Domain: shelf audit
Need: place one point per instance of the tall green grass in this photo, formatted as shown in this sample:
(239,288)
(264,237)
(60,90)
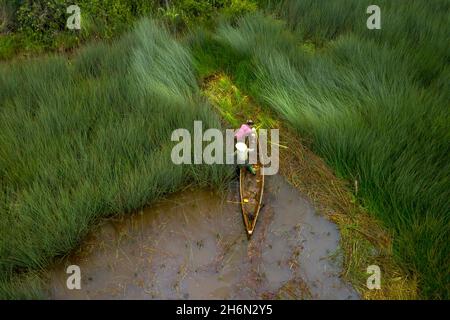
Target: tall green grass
(374,103)
(89,137)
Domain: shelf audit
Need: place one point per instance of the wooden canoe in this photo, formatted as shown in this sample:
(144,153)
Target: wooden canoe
(251,188)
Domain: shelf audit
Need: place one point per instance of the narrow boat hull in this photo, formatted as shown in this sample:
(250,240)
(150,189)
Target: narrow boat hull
(251,189)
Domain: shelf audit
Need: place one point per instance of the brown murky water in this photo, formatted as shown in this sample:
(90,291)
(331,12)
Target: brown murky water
(193,246)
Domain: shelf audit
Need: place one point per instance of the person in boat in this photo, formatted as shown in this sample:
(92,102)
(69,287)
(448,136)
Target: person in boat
(246,130)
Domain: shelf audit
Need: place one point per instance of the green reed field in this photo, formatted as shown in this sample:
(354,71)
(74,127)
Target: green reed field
(374,103)
(89,136)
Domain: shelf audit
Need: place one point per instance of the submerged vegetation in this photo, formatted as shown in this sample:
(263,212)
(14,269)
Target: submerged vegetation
(87,137)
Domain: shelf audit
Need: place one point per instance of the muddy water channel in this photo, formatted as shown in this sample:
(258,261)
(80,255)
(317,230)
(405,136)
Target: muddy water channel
(193,246)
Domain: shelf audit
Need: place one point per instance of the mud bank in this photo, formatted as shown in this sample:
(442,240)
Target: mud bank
(193,246)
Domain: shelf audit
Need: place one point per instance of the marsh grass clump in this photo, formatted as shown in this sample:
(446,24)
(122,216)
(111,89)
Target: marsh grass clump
(90,137)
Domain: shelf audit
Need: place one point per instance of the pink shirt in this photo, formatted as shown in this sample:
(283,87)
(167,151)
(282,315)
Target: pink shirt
(243,131)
